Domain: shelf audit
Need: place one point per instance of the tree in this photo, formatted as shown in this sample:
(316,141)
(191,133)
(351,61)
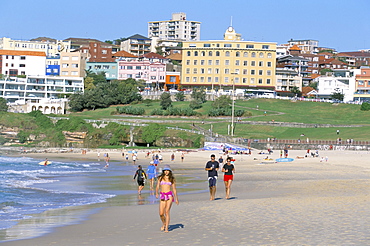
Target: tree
(295,90)
(77,102)
(223,101)
(166,101)
(337,96)
(152,132)
(3,105)
(180,96)
(89,83)
(199,94)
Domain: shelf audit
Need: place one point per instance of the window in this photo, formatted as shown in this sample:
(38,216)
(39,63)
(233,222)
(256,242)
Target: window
(195,79)
(22,65)
(265,47)
(227,45)
(202,71)
(245,80)
(268,81)
(245,63)
(188,70)
(260,64)
(249,46)
(195,62)
(245,54)
(195,70)
(206,45)
(268,72)
(253,63)
(74,73)
(227,62)
(209,79)
(260,81)
(236,80)
(195,53)
(210,62)
(187,79)
(227,53)
(188,53)
(104,52)
(75,65)
(65,65)
(253,54)
(245,71)
(130,67)
(187,62)
(210,70)
(261,55)
(153,77)
(252,80)
(253,72)
(237,63)
(105,66)
(227,71)
(202,62)
(23,58)
(203,53)
(74,58)
(209,53)
(269,55)
(64,73)
(65,58)
(216,79)
(269,64)
(260,72)
(201,79)
(217,62)
(217,53)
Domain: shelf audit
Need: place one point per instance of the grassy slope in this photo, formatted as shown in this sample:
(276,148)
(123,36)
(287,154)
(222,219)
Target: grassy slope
(278,110)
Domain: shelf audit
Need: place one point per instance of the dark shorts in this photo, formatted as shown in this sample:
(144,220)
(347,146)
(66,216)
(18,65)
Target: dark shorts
(212,181)
(140,182)
(228,177)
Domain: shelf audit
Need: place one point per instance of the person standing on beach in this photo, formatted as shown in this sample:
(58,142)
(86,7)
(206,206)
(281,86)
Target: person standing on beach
(228,170)
(152,173)
(166,182)
(182,157)
(141,176)
(212,167)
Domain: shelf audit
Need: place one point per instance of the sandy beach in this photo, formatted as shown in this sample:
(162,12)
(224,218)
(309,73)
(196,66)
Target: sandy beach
(304,202)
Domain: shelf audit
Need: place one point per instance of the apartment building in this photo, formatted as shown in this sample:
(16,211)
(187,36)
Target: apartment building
(224,63)
(308,46)
(178,28)
(73,64)
(150,68)
(286,80)
(15,62)
(35,88)
(49,46)
(362,86)
(137,45)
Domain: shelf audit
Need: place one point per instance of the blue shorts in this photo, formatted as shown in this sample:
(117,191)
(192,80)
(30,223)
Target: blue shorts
(212,181)
(151,175)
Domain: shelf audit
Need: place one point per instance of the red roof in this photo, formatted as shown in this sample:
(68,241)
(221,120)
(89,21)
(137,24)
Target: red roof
(123,53)
(153,55)
(21,53)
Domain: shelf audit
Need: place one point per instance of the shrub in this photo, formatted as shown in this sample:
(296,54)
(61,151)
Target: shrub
(130,110)
(365,106)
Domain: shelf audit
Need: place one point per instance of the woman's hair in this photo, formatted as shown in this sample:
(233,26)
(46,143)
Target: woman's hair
(170,176)
(229,158)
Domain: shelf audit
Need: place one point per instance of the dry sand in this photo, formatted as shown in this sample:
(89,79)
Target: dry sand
(304,202)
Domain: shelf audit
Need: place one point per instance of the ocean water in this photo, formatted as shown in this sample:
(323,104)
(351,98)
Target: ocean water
(27,188)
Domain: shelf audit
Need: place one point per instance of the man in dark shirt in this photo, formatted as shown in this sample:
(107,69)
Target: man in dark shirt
(212,167)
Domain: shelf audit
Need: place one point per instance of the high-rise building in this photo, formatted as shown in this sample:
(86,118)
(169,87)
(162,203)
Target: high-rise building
(178,28)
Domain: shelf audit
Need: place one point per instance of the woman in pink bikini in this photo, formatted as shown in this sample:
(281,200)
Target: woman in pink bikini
(166,181)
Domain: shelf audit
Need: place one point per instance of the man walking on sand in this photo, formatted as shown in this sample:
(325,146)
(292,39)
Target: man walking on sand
(212,167)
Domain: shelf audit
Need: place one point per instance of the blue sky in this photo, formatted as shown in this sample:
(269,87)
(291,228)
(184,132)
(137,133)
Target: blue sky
(340,24)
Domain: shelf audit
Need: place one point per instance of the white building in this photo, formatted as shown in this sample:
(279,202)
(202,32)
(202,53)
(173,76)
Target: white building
(35,88)
(308,46)
(15,62)
(341,81)
(50,47)
(178,28)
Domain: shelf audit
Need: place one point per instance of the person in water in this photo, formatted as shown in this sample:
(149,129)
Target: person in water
(167,186)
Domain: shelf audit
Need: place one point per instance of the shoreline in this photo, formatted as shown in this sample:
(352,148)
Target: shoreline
(301,202)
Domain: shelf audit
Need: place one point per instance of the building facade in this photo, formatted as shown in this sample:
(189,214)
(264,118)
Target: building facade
(216,64)
(73,64)
(50,47)
(137,45)
(286,80)
(362,87)
(15,62)
(178,28)
(308,46)
(39,87)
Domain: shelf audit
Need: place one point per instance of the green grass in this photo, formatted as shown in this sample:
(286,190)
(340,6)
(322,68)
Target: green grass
(277,110)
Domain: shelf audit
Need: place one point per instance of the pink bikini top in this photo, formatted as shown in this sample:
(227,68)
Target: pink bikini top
(165,183)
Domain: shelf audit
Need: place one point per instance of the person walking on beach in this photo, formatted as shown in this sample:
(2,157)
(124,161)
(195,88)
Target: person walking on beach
(152,173)
(166,182)
(182,157)
(212,167)
(228,170)
(141,176)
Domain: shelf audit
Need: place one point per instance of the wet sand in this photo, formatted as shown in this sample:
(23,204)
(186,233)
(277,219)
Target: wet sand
(304,202)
